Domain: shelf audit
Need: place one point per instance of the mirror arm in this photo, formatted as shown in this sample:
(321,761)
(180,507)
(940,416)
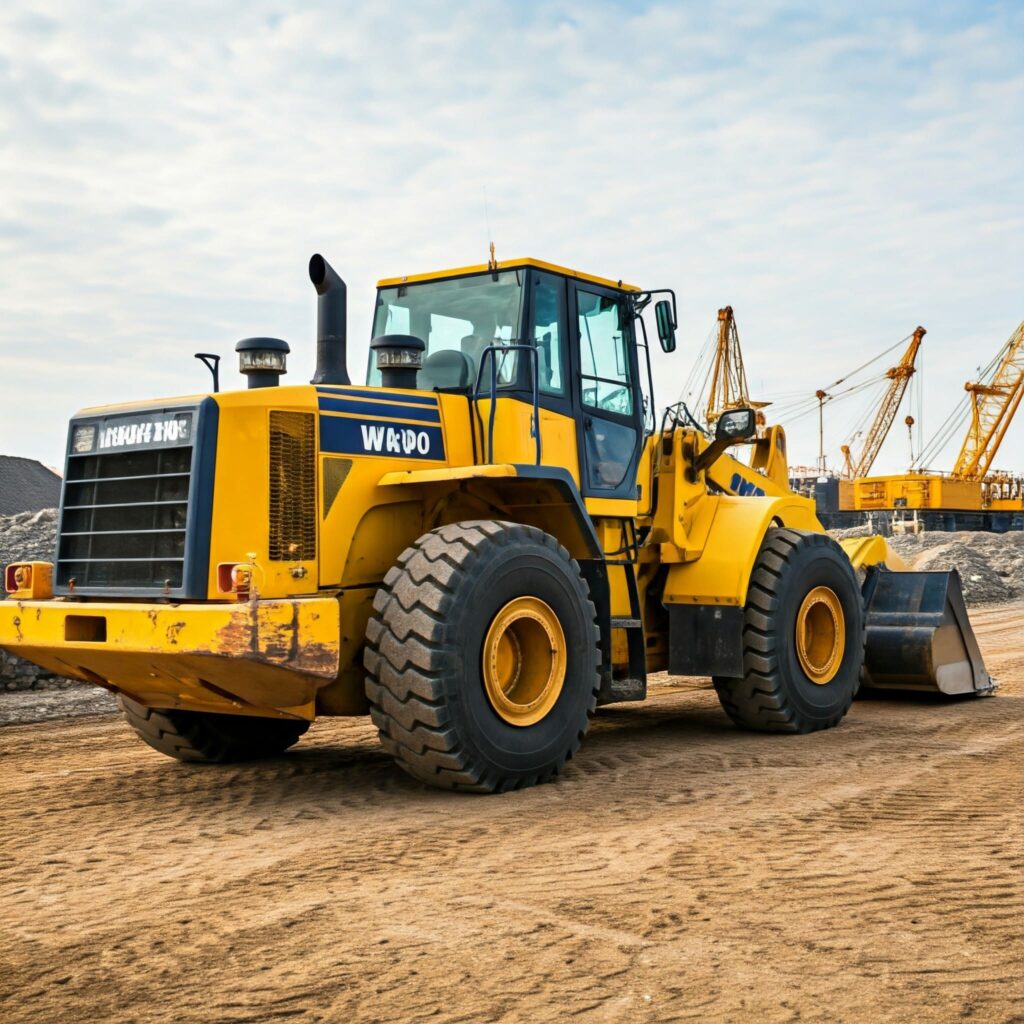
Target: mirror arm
(711,454)
(642,300)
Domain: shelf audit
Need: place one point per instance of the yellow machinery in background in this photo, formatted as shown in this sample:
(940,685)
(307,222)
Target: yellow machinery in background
(899,378)
(835,492)
(486,540)
(973,494)
(728,384)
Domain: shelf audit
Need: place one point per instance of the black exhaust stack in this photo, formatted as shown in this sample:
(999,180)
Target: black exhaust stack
(331,323)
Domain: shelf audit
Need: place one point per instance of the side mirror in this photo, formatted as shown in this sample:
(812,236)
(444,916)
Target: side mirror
(666,325)
(736,425)
(732,426)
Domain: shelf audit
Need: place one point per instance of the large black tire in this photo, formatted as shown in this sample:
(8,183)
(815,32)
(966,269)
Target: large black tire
(200,736)
(425,648)
(776,694)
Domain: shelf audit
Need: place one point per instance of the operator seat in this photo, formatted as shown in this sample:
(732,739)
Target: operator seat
(473,346)
(446,369)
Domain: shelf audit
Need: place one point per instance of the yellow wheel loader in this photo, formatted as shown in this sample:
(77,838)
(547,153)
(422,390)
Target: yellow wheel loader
(487,540)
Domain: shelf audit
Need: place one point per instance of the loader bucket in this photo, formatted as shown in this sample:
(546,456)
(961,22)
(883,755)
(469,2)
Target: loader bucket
(918,635)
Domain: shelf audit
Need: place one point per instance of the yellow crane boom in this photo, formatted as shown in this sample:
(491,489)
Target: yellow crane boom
(728,376)
(899,377)
(993,404)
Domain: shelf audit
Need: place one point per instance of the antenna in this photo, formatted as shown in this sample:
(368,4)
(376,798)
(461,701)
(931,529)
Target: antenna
(492,263)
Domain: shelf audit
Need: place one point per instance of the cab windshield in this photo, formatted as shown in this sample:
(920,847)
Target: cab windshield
(457,320)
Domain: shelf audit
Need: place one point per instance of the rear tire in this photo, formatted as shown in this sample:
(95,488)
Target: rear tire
(453,701)
(199,736)
(800,579)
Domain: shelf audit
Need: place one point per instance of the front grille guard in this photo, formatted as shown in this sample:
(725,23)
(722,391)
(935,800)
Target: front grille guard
(198,516)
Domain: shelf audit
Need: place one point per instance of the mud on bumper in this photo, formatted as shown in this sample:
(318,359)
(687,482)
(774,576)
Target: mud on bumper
(264,657)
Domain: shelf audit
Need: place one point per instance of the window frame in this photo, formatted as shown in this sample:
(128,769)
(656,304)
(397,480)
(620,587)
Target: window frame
(524,289)
(548,399)
(628,487)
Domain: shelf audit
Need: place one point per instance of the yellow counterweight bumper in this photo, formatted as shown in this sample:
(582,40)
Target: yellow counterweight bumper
(263,657)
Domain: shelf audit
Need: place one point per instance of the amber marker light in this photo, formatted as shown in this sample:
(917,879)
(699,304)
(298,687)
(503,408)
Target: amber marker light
(18,577)
(33,580)
(234,578)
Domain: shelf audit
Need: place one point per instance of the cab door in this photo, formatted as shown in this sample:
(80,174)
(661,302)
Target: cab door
(606,395)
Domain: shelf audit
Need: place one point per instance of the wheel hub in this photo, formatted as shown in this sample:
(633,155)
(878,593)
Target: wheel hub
(820,635)
(524,661)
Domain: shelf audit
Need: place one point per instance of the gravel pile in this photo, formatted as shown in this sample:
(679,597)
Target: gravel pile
(851,532)
(991,564)
(28,536)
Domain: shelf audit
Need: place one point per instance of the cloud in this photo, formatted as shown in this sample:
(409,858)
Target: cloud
(838,176)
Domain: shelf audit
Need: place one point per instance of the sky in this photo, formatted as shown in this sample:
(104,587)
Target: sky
(838,173)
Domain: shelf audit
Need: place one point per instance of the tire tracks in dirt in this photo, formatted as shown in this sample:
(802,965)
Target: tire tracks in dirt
(678,870)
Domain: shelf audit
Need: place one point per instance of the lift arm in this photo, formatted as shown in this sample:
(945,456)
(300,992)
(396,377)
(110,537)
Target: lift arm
(993,403)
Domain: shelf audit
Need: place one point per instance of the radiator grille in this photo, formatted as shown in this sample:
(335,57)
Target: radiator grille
(124,518)
(292,486)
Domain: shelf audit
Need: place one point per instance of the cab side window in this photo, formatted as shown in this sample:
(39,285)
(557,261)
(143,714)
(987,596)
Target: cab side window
(546,332)
(604,356)
(609,443)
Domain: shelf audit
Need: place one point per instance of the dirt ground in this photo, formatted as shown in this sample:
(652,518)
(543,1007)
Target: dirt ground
(678,870)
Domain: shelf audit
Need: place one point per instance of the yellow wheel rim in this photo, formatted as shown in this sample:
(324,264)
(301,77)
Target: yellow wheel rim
(524,661)
(820,635)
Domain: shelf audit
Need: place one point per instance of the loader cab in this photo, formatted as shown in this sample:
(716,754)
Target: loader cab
(580,335)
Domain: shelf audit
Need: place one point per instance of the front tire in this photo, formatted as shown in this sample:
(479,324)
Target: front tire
(482,657)
(803,637)
(199,736)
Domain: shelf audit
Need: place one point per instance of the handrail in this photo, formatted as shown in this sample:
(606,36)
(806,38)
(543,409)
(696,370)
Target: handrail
(491,351)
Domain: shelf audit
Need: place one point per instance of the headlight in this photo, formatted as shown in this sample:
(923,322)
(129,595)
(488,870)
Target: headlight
(398,357)
(261,359)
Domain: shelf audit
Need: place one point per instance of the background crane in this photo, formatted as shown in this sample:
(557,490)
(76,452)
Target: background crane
(728,377)
(899,377)
(971,495)
(994,401)
(886,392)
(987,409)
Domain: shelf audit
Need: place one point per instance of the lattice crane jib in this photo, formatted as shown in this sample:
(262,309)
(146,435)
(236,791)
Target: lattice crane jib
(728,376)
(899,378)
(993,404)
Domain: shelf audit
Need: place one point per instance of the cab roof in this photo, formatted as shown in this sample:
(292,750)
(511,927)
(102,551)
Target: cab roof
(482,268)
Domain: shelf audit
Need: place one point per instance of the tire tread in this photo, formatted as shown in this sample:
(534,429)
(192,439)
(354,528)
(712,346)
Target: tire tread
(409,647)
(760,700)
(197,736)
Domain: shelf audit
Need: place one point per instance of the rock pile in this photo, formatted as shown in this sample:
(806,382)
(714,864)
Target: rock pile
(991,564)
(28,536)
(18,674)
